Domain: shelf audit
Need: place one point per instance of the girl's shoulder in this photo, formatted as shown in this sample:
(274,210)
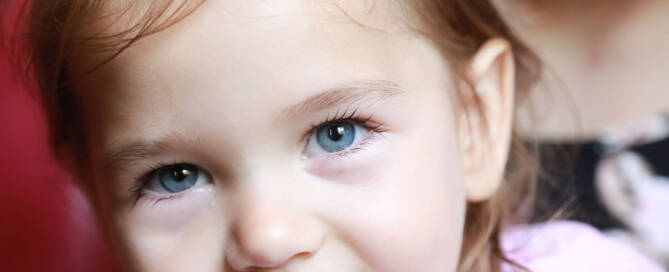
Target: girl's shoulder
(569,246)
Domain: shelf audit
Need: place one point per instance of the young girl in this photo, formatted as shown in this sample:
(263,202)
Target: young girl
(295,135)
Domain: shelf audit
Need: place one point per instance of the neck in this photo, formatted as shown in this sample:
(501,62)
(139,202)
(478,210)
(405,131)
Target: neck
(605,63)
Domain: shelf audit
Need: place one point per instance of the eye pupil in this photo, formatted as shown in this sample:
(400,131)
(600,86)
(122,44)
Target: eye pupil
(180,174)
(335,133)
(179,177)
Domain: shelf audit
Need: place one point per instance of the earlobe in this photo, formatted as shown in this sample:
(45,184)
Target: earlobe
(486,119)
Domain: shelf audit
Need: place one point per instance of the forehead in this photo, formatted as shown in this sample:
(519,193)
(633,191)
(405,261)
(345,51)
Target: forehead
(228,55)
(110,24)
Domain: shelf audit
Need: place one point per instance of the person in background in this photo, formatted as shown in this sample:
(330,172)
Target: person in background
(605,93)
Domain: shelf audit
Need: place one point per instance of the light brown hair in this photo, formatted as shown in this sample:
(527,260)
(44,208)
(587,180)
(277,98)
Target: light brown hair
(457,27)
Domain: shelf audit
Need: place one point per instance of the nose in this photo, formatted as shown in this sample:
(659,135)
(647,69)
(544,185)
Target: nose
(270,237)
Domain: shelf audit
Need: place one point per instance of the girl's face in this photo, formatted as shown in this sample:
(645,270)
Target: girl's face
(279,136)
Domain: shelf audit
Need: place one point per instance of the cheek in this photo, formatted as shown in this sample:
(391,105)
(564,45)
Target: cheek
(412,217)
(181,234)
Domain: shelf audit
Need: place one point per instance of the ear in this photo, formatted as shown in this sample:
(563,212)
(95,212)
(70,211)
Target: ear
(486,118)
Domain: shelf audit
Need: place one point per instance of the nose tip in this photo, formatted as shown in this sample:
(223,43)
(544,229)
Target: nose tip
(269,238)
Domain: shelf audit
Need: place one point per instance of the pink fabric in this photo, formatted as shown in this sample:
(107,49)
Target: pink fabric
(570,246)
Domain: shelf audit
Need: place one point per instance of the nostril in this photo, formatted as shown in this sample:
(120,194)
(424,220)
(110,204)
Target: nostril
(241,262)
(302,255)
(268,264)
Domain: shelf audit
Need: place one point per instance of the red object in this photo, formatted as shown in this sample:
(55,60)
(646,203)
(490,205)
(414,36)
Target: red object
(45,223)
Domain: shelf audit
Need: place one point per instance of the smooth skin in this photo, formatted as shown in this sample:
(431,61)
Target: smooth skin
(237,88)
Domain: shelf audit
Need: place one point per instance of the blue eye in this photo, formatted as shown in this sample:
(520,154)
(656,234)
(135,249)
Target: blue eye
(175,178)
(335,137)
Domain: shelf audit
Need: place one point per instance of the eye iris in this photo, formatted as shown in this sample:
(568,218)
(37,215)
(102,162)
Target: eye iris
(336,137)
(177,178)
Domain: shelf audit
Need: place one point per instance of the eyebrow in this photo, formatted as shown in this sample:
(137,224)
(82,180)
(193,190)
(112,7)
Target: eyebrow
(350,93)
(120,156)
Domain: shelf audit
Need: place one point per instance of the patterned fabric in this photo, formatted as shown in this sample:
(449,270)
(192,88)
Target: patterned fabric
(618,183)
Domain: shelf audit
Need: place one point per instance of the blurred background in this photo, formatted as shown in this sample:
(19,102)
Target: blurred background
(600,115)
(45,223)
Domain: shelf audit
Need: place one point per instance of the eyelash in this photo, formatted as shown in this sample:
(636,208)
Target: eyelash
(366,121)
(154,200)
(352,115)
(144,179)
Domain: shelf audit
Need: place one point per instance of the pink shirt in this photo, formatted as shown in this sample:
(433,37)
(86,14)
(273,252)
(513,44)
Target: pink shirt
(567,246)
